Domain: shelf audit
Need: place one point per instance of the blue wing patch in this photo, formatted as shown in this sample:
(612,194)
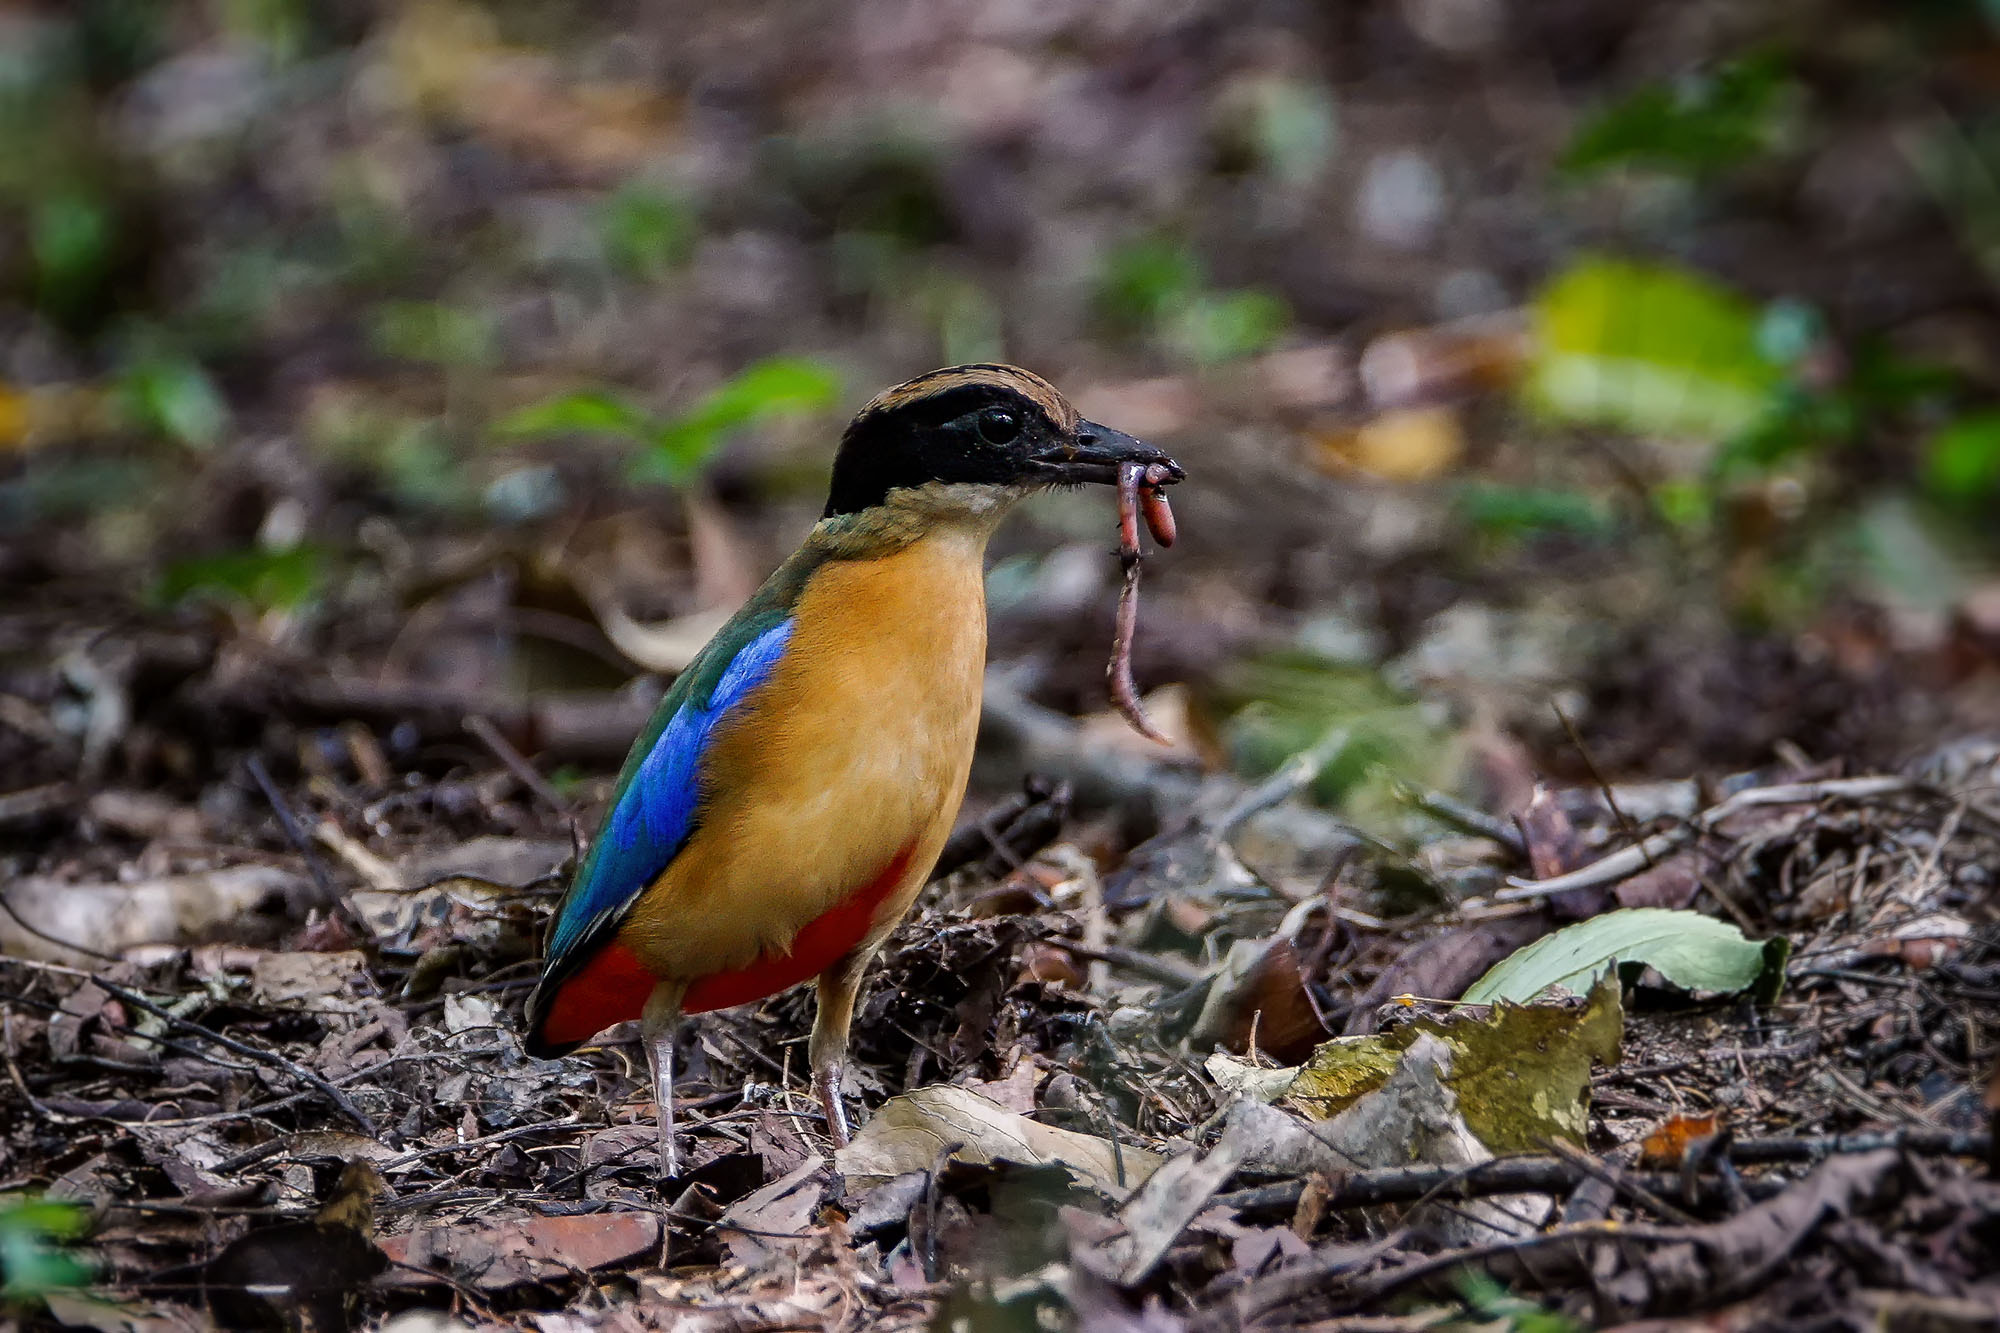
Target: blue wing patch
(655,812)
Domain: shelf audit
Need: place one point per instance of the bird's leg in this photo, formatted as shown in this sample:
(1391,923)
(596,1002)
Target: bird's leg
(838,987)
(657,1026)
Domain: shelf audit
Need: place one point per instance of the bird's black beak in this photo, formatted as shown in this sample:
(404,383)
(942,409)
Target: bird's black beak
(1095,453)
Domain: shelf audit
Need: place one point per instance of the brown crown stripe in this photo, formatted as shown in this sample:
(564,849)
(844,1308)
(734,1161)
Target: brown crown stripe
(1024,382)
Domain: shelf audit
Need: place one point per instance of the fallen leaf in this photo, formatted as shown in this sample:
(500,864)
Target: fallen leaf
(1521,1073)
(1405,444)
(511,1252)
(1016,1092)
(1161,1209)
(1240,1078)
(1693,951)
(761,1224)
(286,978)
(1258,992)
(76,1310)
(113,917)
(911,1132)
(1664,1147)
(1413,1117)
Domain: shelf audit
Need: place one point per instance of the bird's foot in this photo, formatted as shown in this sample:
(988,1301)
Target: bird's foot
(826,1082)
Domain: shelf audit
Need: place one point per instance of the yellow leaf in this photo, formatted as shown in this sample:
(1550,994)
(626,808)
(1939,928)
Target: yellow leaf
(13,417)
(1407,444)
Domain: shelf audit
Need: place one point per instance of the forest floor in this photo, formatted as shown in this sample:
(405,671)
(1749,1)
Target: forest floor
(391,399)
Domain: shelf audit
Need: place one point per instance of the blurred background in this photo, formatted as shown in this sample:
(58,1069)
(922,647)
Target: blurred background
(1563,385)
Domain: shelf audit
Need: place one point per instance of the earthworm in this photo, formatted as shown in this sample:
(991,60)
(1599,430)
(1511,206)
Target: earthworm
(1153,498)
(1133,478)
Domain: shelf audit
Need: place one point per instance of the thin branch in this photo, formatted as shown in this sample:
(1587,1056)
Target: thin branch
(1550,1175)
(244,1048)
(1631,860)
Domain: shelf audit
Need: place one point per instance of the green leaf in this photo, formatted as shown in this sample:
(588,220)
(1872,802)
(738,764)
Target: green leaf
(31,1263)
(584,412)
(646,233)
(1513,510)
(1963,462)
(430,331)
(1694,952)
(776,387)
(71,236)
(1694,126)
(170,395)
(1650,349)
(1225,326)
(266,580)
(1145,280)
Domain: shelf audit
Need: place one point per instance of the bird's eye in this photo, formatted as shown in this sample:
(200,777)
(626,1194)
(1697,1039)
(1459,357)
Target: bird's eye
(998,426)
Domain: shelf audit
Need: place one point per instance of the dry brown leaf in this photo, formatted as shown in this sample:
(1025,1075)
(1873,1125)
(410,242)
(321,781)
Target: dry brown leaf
(110,918)
(911,1132)
(287,978)
(511,1252)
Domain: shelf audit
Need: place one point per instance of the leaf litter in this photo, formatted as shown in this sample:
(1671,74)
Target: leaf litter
(1058,1118)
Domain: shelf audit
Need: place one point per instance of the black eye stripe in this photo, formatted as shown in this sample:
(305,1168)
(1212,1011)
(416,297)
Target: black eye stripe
(954,435)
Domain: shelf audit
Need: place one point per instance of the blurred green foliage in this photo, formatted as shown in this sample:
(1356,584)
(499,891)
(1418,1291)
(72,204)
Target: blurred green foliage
(675,447)
(1698,125)
(646,233)
(433,332)
(1511,511)
(33,1232)
(166,393)
(1963,462)
(1285,702)
(1284,126)
(1496,1308)
(283,580)
(1650,349)
(1157,289)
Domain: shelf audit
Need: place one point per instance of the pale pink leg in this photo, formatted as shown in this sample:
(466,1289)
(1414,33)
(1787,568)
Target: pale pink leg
(661,1021)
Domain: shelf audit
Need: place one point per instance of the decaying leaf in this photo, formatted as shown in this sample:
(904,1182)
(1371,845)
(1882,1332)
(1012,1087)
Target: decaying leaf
(1240,1078)
(289,978)
(1414,1117)
(512,1252)
(774,1219)
(911,1132)
(248,901)
(1161,1209)
(1521,1073)
(1693,951)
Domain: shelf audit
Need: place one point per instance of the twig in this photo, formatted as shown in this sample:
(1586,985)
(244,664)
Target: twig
(1154,966)
(1631,860)
(1620,1181)
(1451,811)
(31,803)
(1625,824)
(1288,780)
(329,896)
(244,1048)
(515,762)
(1548,1175)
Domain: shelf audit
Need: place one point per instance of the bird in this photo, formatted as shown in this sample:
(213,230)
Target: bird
(781,811)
